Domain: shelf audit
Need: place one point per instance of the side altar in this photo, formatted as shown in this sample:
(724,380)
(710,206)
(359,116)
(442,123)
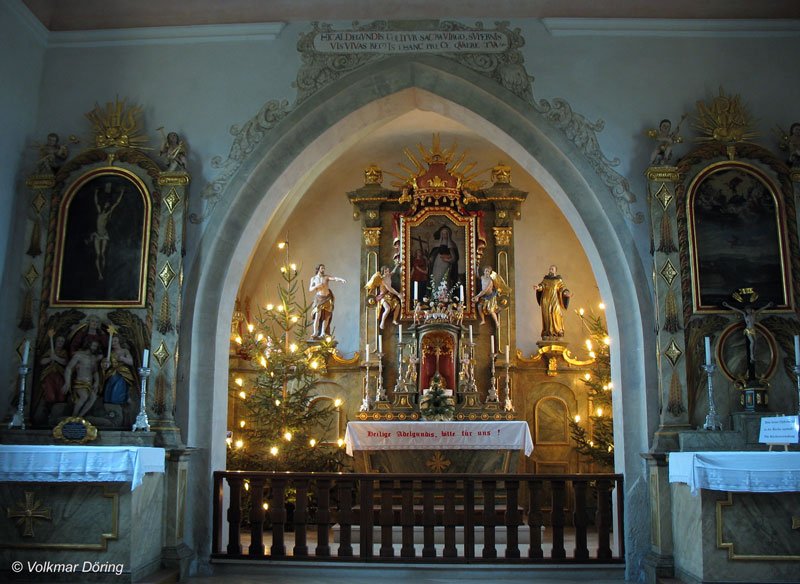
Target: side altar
(737,515)
(419,447)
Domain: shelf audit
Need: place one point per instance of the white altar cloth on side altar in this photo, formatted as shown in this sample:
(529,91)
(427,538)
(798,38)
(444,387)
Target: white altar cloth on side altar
(486,435)
(56,463)
(751,472)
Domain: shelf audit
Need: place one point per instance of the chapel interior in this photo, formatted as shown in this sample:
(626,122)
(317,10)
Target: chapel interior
(393,282)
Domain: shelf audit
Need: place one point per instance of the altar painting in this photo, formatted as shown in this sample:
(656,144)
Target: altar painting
(736,221)
(437,252)
(102,242)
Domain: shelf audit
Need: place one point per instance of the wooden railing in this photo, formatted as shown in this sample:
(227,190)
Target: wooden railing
(378,517)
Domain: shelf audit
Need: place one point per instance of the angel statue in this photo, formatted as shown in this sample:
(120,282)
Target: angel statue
(173,152)
(791,143)
(486,300)
(388,298)
(662,154)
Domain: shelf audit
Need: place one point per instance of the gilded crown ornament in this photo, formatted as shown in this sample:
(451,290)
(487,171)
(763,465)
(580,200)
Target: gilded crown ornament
(117,126)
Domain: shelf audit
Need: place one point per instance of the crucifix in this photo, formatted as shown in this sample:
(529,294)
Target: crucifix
(26,512)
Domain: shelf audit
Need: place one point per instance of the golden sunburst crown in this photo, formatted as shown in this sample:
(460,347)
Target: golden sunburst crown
(438,172)
(724,120)
(117,126)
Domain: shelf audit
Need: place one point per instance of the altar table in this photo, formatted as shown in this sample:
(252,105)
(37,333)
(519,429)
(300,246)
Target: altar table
(734,516)
(100,464)
(749,472)
(485,446)
(82,508)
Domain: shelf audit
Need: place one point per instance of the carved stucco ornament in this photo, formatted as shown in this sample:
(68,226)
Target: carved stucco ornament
(320,69)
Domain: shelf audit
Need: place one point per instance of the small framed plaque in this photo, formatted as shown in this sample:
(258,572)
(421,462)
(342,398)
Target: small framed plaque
(779,430)
(75,431)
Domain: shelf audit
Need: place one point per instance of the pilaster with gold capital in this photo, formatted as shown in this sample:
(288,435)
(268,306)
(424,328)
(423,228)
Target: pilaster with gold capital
(662,182)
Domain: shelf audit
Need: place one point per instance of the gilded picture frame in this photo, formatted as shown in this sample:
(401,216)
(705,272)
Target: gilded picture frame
(426,251)
(102,241)
(737,235)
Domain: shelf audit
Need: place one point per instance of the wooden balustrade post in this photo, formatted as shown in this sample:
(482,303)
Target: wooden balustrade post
(449,489)
(489,518)
(580,519)
(216,513)
(366,518)
(277,514)
(557,518)
(469,518)
(603,519)
(428,518)
(344,488)
(300,548)
(323,548)
(235,517)
(407,518)
(512,518)
(535,489)
(386,518)
(256,548)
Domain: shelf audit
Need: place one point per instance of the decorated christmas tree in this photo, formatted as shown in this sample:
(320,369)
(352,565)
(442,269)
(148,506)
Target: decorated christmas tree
(596,441)
(281,421)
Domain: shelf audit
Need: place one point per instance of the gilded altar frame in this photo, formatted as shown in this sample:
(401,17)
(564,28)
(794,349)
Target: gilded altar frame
(720,197)
(417,233)
(77,280)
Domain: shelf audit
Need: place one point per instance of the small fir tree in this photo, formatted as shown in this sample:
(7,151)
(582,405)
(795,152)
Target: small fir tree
(597,441)
(282,426)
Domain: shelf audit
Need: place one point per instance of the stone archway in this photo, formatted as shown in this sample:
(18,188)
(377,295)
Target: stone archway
(256,195)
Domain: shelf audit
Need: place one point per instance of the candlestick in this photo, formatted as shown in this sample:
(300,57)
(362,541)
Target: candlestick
(142,423)
(713,421)
(26,349)
(708,350)
(145,358)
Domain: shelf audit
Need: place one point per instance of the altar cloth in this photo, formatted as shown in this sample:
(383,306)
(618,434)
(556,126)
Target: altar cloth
(56,463)
(742,472)
(484,435)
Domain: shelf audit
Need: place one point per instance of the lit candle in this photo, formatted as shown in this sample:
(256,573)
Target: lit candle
(400,333)
(416,290)
(366,351)
(797,350)
(380,345)
(461,292)
(507,355)
(145,358)
(491,344)
(708,350)
(26,349)
(470,334)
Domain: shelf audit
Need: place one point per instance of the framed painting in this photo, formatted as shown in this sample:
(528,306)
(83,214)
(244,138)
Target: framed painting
(437,249)
(737,237)
(103,235)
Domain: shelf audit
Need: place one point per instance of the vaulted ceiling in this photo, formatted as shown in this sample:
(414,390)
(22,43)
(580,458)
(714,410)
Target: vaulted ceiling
(60,15)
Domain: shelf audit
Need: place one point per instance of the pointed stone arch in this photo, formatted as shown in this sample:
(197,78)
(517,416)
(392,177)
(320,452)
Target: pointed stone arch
(255,195)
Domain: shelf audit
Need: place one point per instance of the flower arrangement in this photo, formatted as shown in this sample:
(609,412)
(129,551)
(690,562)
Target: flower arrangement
(435,403)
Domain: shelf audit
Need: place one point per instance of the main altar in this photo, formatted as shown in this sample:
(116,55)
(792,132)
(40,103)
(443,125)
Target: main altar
(436,258)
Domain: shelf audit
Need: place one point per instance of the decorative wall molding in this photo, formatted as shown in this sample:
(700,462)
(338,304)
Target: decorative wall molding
(658,27)
(322,68)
